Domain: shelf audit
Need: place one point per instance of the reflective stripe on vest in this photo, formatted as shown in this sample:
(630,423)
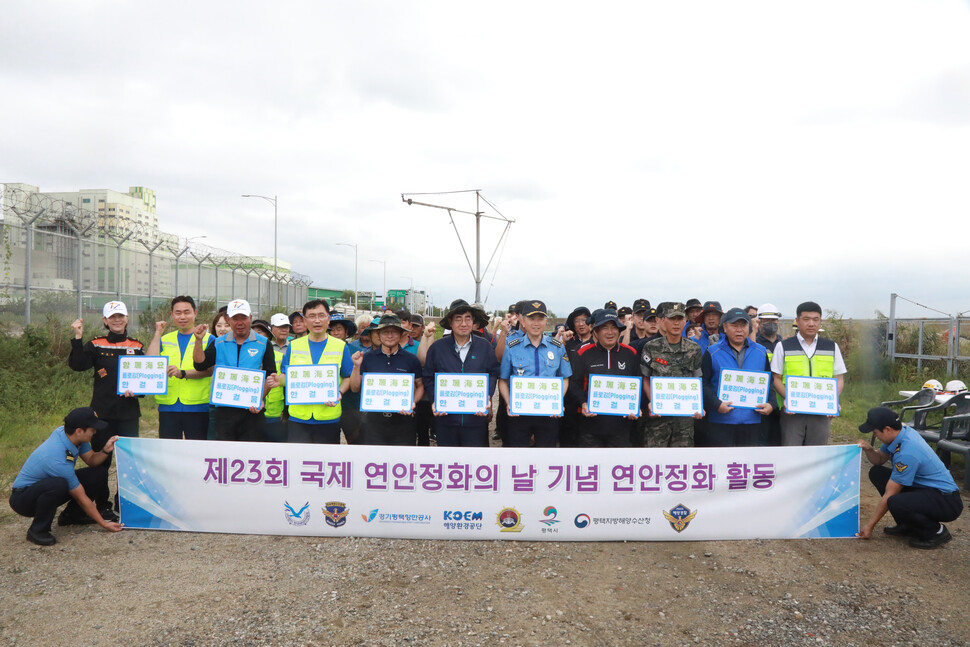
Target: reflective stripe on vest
(276,395)
(185,391)
(333,353)
(797,363)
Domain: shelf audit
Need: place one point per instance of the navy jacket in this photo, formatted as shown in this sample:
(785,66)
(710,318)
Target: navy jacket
(444,358)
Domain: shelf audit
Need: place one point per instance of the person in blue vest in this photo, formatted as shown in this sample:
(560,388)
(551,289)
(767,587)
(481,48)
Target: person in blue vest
(48,479)
(534,354)
(729,425)
(462,352)
(183,411)
(918,490)
(241,347)
(317,423)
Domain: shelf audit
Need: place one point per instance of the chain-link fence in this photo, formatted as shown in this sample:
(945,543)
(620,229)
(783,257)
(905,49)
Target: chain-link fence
(62,260)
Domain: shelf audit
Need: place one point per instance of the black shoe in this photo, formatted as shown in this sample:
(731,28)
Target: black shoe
(66,519)
(109,515)
(900,530)
(935,541)
(41,538)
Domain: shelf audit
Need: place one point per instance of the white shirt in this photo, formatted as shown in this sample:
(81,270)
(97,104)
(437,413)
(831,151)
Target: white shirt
(778,358)
(463,349)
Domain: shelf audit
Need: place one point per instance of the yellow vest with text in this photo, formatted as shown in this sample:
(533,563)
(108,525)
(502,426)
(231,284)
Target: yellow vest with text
(276,395)
(333,353)
(184,391)
(821,364)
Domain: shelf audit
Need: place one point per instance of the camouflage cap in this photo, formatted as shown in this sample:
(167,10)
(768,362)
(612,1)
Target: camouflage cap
(673,309)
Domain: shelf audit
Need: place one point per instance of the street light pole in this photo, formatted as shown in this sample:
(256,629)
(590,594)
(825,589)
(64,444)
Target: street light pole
(384,263)
(276,229)
(354,245)
(410,292)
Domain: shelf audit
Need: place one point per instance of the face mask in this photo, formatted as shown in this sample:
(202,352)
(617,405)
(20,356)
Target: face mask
(769,329)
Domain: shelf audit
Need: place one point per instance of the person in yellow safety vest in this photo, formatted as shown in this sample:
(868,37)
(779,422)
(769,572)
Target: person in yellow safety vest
(275,409)
(806,354)
(183,411)
(318,422)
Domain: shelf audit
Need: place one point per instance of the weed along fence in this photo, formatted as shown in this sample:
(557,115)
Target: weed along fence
(57,258)
(938,346)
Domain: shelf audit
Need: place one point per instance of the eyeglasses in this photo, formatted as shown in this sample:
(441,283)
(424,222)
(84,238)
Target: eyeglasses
(317,317)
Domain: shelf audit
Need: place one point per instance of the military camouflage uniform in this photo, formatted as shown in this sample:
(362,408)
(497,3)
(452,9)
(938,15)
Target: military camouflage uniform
(659,359)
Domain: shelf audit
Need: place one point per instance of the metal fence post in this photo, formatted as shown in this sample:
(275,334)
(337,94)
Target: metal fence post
(27,255)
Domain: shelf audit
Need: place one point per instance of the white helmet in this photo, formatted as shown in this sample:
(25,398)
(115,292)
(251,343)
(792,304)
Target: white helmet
(956,386)
(933,384)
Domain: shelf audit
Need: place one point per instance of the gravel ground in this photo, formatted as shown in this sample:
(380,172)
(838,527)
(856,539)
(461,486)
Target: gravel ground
(190,590)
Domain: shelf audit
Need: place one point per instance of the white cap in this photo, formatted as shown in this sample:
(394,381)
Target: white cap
(114,308)
(279,319)
(769,311)
(238,307)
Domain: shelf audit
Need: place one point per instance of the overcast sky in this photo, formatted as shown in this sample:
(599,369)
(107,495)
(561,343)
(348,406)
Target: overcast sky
(744,151)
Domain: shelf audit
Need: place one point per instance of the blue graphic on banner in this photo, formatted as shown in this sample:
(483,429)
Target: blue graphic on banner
(145,502)
(833,510)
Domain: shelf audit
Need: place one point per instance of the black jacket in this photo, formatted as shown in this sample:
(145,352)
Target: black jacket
(101,354)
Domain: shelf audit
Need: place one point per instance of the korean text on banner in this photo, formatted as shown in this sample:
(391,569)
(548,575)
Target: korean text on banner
(479,493)
(142,374)
(536,396)
(743,389)
(676,396)
(614,395)
(814,395)
(461,393)
(237,387)
(312,384)
(387,392)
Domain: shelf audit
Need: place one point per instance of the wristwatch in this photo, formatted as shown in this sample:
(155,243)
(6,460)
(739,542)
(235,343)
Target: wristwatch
(183,374)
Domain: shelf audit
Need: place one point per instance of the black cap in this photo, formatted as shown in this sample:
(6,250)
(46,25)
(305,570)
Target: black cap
(571,319)
(262,323)
(692,303)
(294,315)
(533,308)
(604,316)
(650,314)
(460,306)
(83,418)
(879,418)
(417,319)
(609,305)
(624,311)
(713,306)
(735,314)
(640,305)
(513,308)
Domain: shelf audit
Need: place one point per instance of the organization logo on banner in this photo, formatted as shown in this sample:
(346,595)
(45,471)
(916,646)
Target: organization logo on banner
(370,516)
(550,513)
(335,512)
(395,517)
(510,520)
(680,517)
(582,520)
(294,517)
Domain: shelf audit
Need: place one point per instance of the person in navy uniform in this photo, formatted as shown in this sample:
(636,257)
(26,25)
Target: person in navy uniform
(48,479)
(462,352)
(534,354)
(918,490)
(606,356)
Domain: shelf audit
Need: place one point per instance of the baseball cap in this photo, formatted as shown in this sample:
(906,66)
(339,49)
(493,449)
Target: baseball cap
(650,314)
(880,418)
(279,319)
(262,324)
(624,311)
(640,305)
(769,311)
(713,306)
(513,308)
(294,315)
(83,417)
(238,307)
(533,308)
(609,305)
(673,309)
(417,319)
(114,308)
(692,303)
(735,314)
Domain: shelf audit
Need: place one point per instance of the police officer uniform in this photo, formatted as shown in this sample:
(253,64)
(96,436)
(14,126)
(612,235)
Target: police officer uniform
(522,357)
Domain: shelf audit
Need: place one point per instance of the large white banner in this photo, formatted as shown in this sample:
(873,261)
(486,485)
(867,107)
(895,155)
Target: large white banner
(478,493)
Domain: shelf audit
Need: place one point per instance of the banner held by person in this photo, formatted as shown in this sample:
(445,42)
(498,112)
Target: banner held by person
(814,395)
(536,396)
(387,392)
(237,387)
(743,389)
(312,384)
(614,395)
(465,393)
(676,396)
(142,375)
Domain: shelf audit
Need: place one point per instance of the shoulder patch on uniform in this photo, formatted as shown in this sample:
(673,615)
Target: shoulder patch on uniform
(555,342)
(515,342)
(901,467)
(898,447)
(69,456)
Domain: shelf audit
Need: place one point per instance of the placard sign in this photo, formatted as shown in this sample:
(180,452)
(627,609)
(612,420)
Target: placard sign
(536,396)
(676,396)
(316,384)
(614,395)
(387,392)
(237,387)
(814,395)
(143,374)
(461,393)
(743,389)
